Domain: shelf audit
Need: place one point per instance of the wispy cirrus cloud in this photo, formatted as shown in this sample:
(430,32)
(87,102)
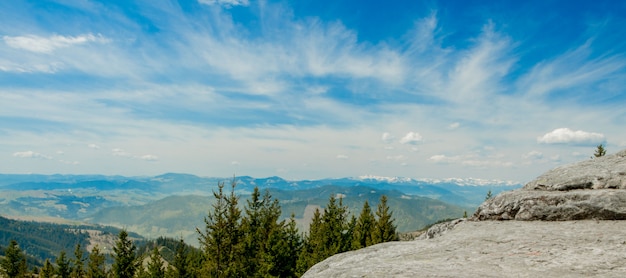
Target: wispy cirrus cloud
(41,44)
(226,3)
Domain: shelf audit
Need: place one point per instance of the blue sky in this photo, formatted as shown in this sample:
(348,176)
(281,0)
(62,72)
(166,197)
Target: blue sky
(310,89)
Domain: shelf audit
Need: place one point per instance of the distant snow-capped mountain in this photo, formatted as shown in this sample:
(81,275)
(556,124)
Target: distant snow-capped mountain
(457,181)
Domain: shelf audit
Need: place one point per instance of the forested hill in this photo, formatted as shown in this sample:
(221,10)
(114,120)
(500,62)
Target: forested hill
(45,240)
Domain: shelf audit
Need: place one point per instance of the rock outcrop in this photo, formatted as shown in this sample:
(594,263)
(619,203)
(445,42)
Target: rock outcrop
(591,189)
(583,196)
(586,248)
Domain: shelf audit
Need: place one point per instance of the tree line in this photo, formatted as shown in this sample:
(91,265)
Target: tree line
(234,242)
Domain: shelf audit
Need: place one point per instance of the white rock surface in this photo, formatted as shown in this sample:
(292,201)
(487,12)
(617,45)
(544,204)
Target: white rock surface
(493,249)
(608,171)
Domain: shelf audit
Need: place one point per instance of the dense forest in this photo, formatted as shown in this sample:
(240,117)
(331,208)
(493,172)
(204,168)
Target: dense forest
(248,242)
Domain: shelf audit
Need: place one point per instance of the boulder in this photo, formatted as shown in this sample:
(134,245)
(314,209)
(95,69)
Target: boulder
(590,189)
(601,204)
(608,171)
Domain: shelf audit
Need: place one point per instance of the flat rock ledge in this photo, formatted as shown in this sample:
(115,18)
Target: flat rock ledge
(493,249)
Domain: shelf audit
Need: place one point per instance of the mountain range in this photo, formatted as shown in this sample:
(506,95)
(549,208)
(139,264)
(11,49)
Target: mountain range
(175,204)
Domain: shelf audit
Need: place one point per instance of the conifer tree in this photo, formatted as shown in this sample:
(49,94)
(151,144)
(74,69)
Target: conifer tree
(14,262)
(78,269)
(47,271)
(181,269)
(125,260)
(63,266)
(155,265)
(600,151)
(364,227)
(334,225)
(288,250)
(312,245)
(96,267)
(221,239)
(385,229)
(329,234)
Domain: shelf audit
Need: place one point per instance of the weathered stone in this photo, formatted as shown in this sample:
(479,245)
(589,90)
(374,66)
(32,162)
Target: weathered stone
(493,249)
(608,171)
(600,204)
(590,189)
(440,229)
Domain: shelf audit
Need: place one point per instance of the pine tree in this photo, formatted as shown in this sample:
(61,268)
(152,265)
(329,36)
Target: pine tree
(385,229)
(329,234)
(155,265)
(287,262)
(334,226)
(78,269)
(95,267)
(181,269)
(47,271)
(14,262)
(364,227)
(63,266)
(312,245)
(600,151)
(221,240)
(264,235)
(489,195)
(125,260)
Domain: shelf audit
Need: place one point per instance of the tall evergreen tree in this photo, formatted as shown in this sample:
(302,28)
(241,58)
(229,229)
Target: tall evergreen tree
(96,266)
(329,234)
(125,260)
(283,247)
(155,265)
(47,271)
(181,265)
(364,227)
(14,262)
(264,236)
(334,226)
(63,265)
(312,245)
(78,263)
(385,229)
(221,240)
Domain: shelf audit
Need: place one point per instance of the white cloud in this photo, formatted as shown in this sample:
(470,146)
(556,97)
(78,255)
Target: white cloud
(396,157)
(120,152)
(441,158)
(123,153)
(31,154)
(342,156)
(568,136)
(226,3)
(454,125)
(387,137)
(149,157)
(93,146)
(533,155)
(411,138)
(49,44)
